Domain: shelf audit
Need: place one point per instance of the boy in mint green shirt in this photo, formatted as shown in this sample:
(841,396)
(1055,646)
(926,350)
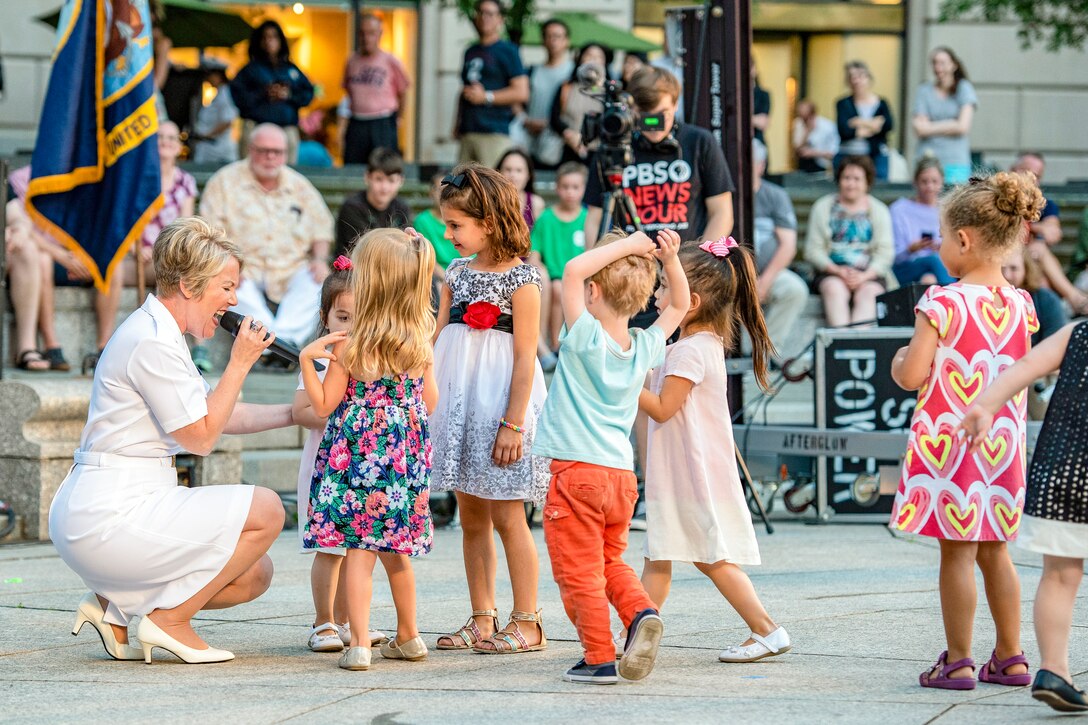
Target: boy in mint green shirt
(559,236)
(585,429)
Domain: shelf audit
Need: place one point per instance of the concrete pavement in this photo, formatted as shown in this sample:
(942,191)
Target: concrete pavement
(860,605)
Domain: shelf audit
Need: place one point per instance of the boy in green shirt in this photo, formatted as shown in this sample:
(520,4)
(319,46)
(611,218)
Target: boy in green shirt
(558,237)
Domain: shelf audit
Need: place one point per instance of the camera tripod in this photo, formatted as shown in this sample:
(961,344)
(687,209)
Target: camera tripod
(617,208)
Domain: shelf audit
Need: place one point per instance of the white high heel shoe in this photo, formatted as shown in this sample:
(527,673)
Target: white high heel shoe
(151,636)
(90,611)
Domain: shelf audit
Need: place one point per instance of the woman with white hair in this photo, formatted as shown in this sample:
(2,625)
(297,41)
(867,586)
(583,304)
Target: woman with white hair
(144,545)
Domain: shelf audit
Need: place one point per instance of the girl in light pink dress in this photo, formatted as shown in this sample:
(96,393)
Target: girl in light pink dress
(966,333)
(695,507)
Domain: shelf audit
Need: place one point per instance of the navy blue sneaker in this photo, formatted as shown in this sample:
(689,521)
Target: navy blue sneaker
(640,650)
(592,674)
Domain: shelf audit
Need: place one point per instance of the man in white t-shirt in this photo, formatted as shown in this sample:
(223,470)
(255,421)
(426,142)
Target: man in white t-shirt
(544,144)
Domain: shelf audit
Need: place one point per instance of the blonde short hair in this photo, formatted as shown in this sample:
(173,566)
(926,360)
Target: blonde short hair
(628,282)
(192,251)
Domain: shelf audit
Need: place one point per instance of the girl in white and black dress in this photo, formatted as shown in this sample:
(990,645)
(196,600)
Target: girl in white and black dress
(491,390)
(1056,511)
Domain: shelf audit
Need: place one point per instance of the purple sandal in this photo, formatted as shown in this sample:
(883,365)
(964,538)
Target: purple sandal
(998,676)
(942,680)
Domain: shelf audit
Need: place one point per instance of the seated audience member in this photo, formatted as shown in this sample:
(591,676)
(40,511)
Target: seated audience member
(1022,271)
(815,139)
(781,292)
(179,199)
(60,267)
(850,244)
(312,151)
(24,283)
(280,221)
(1044,234)
(916,228)
(377,205)
(213,141)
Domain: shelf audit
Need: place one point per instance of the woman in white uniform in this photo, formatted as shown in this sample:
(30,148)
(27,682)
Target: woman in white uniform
(144,545)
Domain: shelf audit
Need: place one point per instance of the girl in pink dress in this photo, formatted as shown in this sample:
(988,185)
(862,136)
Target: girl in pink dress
(966,334)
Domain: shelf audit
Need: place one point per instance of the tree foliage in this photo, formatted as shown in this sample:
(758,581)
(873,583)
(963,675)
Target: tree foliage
(1057,23)
(518,13)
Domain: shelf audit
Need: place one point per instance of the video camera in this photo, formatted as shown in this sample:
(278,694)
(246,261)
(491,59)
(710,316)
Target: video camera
(614,127)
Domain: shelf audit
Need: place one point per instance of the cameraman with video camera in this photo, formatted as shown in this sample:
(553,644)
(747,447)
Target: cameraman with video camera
(676,175)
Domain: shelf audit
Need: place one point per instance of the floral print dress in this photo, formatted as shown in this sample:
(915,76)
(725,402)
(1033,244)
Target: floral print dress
(371,483)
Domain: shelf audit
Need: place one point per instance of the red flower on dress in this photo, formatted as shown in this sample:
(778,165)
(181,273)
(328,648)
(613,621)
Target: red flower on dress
(481,315)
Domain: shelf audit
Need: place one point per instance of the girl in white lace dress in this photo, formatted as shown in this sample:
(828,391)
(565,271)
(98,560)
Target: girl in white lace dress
(491,390)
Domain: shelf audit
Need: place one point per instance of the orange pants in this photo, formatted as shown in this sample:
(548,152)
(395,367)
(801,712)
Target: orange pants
(586,519)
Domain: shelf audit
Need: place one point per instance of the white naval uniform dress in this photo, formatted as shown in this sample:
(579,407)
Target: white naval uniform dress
(120,520)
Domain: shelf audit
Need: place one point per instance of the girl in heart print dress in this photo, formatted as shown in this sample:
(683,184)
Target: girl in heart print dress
(966,334)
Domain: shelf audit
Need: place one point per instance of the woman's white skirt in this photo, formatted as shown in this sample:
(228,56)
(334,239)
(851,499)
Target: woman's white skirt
(137,538)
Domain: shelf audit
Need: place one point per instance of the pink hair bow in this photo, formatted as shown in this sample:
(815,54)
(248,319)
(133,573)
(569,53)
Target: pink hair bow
(719,247)
(341,263)
(410,231)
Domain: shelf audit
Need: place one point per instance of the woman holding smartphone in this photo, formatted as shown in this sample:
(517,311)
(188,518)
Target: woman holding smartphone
(916,229)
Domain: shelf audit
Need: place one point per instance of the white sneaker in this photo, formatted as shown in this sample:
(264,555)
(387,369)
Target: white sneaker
(377,637)
(775,643)
(325,642)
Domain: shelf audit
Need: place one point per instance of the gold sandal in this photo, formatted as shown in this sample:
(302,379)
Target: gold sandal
(508,642)
(470,633)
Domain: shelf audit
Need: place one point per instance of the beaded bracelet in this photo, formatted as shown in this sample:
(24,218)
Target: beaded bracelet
(507,424)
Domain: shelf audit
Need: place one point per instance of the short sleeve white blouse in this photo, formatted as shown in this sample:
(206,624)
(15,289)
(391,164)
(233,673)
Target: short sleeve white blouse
(145,388)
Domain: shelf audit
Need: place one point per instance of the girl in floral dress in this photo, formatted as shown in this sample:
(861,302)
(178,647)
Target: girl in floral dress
(371,483)
(970,500)
(491,391)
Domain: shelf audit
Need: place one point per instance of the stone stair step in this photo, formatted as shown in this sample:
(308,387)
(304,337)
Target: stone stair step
(274,469)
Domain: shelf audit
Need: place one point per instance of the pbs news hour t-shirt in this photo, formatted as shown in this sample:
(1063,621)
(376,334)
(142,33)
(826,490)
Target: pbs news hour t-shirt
(670,188)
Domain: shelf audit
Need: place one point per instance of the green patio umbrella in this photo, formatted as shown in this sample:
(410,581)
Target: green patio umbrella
(192,24)
(586,28)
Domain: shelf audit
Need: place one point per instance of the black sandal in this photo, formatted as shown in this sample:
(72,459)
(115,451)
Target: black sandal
(29,359)
(55,356)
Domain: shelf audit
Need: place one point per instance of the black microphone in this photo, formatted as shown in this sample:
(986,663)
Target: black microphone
(232,321)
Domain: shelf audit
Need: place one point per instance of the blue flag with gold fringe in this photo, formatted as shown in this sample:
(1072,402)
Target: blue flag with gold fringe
(94,181)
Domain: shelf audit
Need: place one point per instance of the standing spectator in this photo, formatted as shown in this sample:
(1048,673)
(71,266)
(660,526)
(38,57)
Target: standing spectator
(283,228)
(782,294)
(376,84)
(558,237)
(376,206)
(1022,271)
(815,139)
(864,120)
(213,143)
(943,111)
(761,106)
(22,267)
(850,245)
(916,229)
(678,177)
(545,145)
(572,106)
(270,88)
(494,81)
(179,199)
